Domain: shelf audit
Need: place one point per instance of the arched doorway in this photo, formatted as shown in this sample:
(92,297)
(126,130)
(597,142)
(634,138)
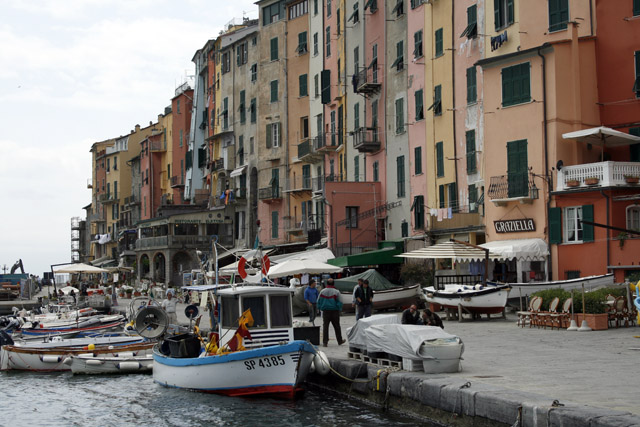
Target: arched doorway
(159,267)
(182,263)
(143,266)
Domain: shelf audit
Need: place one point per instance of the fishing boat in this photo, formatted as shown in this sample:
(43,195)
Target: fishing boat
(252,353)
(78,327)
(477,299)
(589,282)
(121,363)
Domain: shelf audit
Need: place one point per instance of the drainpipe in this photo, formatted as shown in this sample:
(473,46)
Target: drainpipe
(287,206)
(453,98)
(548,178)
(602,193)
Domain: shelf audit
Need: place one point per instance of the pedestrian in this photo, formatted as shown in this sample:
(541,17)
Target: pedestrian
(430,318)
(355,289)
(331,306)
(410,316)
(364,300)
(311,297)
(169,306)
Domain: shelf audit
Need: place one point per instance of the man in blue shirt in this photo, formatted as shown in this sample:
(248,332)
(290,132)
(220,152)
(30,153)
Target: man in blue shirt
(311,297)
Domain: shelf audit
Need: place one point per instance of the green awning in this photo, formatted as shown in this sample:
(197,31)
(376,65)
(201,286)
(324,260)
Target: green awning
(377,257)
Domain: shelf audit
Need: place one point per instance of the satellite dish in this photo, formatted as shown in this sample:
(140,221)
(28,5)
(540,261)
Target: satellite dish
(191,311)
(151,322)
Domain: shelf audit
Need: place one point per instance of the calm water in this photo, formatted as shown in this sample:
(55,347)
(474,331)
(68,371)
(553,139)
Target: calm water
(61,399)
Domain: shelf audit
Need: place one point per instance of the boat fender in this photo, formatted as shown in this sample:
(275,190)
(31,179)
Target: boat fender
(321,363)
(49,358)
(129,365)
(67,361)
(94,362)
(124,354)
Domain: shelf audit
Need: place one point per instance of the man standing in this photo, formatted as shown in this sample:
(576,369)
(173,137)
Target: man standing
(410,315)
(311,297)
(364,300)
(169,305)
(331,306)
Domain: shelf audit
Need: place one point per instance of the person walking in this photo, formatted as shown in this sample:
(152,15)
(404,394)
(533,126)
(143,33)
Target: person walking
(364,300)
(331,306)
(169,305)
(311,297)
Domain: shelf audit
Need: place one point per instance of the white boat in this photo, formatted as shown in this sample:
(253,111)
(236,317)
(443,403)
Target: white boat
(474,299)
(270,363)
(121,363)
(589,282)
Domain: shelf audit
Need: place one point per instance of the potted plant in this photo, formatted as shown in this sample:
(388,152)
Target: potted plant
(594,307)
(631,179)
(572,183)
(591,180)
(622,236)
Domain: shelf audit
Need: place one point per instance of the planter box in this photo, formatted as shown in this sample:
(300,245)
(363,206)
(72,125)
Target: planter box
(597,322)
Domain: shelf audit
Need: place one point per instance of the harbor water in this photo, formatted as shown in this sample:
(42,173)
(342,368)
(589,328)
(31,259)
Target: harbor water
(63,399)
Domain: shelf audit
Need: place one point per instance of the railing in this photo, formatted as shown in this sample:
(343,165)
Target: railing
(270,193)
(299,183)
(458,279)
(608,174)
(518,185)
(317,184)
(240,193)
(326,141)
(366,139)
(343,249)
(218,164)
(188,242)
(177,181)
(366,81)
(157,146)
(108,198)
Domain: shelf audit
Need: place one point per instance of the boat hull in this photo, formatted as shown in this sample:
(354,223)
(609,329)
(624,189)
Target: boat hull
(121,364)
(488,300)
(588,282)
(277,370)
(387,299)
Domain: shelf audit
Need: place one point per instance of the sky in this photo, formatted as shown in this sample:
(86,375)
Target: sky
(75,72)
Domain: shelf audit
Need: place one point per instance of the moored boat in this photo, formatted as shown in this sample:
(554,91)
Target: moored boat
(478,299)
(121,363)
(589,282)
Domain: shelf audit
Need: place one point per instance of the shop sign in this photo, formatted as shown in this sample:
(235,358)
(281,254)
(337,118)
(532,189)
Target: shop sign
(515,225)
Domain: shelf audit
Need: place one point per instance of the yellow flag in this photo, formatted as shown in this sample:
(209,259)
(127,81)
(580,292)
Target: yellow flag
(246,319)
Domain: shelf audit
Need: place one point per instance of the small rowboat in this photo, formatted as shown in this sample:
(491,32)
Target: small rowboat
(121,363)
(479,299)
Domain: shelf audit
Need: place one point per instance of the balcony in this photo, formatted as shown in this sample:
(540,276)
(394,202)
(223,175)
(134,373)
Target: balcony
(366,140)
(307,152)
(326,142)
(177,181)
(459,220)
(108,198)
(512,187)
(157,146)
(366,81)
(270,194)
(240,194)
(317,184)
(298,185)
(173,242)
(218,165)
(608,174)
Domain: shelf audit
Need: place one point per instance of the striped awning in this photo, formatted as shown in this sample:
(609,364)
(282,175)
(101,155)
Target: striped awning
(455,250)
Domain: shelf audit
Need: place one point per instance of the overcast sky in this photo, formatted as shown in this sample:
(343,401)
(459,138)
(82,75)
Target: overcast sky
(74,72)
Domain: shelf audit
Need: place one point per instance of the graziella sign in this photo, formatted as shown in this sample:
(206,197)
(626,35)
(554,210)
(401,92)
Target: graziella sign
(515,225)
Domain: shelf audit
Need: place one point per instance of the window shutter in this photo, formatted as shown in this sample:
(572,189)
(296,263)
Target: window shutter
(276,143)
(274,48)
(325,83)
(555,226)
(510,12)
(269,135)
(419,105)
(239,55)
(441,196)
(496,13)
(453,196)
(303,84)
(439,159)
(418,160)
(587,229)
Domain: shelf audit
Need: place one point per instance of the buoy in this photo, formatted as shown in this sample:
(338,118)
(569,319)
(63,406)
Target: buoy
(584,327)
(91,347)
(321,363)
(573,326)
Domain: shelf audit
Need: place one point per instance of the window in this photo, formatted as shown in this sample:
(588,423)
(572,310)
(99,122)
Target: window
(502,13)
(304,127)
(315,43)
(439,43)
(417,158)
(634,149)
(252,110)
(316,85)
(254,41)
(633,217)
(274,49)
(376,172)
(274,91)
(302,80)
(226,62)
(516,84)
(302,43)
(298,9)
(242,53)
(251,146)
(441,200)
(115,159)
(108,165)
(355,16)
(332,127)
(273,135)
(417,44)
(275,182)
(351,215)
(398,64)
(338,21)
(273,13)
(241,150)
(572,225)
(274,224)
(315,7)
(225,113)
(181,137)
(398,9)
(471,151)
(325,86)
(453,196)
(517,168)
(418,95)
(416,3)
(437,101)
(636,84)
(327,42)
(328,8)
(178,106)
(558,14)
(372,5)
(356,60)
(472,94)
(356,116)
(243,107)
(400,115)
(400,171)
(473,199)
(356,169)
(636,7)
(439,159)
(418,212)
(374,63)
(254,72)
(471,31)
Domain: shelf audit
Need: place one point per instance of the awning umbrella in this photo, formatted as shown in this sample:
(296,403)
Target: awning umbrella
(68,289)
(459,251)
(79,268)
(301,266)
(602,136)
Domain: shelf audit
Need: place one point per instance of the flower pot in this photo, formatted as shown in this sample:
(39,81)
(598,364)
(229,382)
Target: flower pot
(573,183)
(136,294)
(597,322)
(631,179)
(591,181)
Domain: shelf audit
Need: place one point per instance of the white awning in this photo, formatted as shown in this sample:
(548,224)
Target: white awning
(602,136)
(520,249)
(457,251)
(238,171)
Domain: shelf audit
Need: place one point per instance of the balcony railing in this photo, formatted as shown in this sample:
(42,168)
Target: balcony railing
(366,140)
(218,164)
(299,183)
(317,184)
(177,181)
(608,174)
(157,146)
(514,186)
(107,198)
(173,242)
(270,193)
(307,151)
(366,81)
(240,193)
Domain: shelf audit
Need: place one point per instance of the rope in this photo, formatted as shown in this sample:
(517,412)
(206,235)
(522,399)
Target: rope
(355,380)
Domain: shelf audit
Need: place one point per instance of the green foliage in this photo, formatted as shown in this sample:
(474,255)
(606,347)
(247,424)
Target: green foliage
(594,300)
(633,277)
(416,272)
(549,294)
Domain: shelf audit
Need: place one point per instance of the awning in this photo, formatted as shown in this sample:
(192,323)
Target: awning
(603,136)
(377,257)
(237,171)
(458,251)
(520,249)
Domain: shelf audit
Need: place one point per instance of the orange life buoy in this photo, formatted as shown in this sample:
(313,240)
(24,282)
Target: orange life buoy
(265,264)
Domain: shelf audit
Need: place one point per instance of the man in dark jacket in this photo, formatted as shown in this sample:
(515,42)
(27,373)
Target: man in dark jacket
(331,306)
(430,318)
(410,316)
(364,300)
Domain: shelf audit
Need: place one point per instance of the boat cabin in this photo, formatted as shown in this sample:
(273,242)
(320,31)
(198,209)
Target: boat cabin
(270,308)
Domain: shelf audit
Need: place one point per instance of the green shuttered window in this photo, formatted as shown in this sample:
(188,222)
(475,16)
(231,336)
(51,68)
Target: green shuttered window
(558,14)
(516,84)
(472,92)
(439,159)
(439,42)
(471,151)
